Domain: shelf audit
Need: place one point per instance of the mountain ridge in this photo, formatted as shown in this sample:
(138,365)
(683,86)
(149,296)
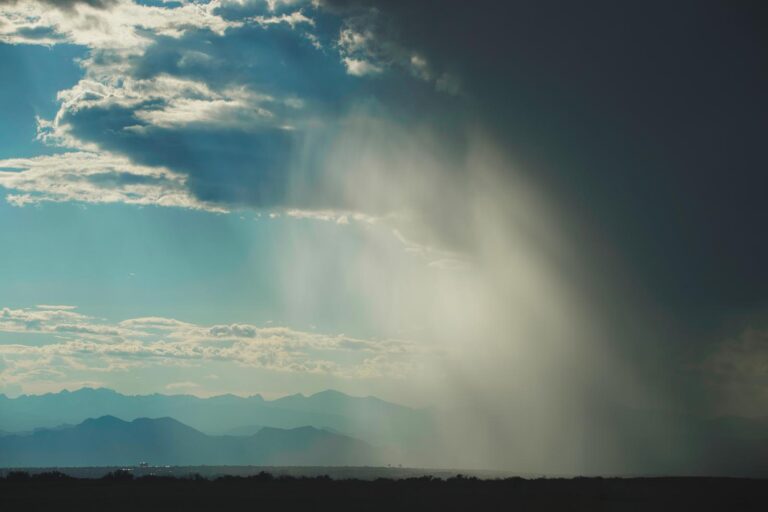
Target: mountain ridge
(109,440)
(368,418)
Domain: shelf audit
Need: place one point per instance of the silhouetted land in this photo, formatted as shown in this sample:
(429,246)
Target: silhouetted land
(119,491)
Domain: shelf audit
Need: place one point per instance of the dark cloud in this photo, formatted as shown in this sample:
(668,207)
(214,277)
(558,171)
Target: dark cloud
(42,33)
(277,60)
(644,122)
(228,167)
(258,166)
(647,119)
(117,180)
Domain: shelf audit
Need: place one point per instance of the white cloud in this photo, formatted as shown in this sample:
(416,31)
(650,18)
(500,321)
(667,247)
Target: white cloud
(337,216)
(358,47)
(359,67)
(88,345)
(357,38)
(123,24)
(313,40)
(233,109)
(117,35)
(121,29)
(184,385)
(59,321)
(292,19)
(368,46)
(162,101)
(155,322)
(272,5)
(275,4)
(94,178)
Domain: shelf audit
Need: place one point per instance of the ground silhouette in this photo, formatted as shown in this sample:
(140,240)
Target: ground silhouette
(121,491)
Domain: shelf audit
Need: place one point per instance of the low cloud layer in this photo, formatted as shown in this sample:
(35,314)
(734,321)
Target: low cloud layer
(94,178)
(51,343)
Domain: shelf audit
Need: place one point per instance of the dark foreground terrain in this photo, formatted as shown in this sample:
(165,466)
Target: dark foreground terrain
(119,491)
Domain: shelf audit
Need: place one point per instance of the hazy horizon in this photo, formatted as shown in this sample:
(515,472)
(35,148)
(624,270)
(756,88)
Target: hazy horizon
(192,393)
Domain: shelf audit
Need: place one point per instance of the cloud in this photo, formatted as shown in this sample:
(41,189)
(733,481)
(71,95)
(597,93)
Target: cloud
(155,322)
(85,344)
(161,101)
(292,19)
(363,46)
(369,42)
(67,4)
(94,178)
(230,99)
(337,216)
(359,67)
(271,5)
(60,320)
(235,108)
(226,111)
(118,24)
(175,386)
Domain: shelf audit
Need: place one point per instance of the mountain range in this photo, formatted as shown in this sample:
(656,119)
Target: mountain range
(108,441)
(230,428)
(367,418)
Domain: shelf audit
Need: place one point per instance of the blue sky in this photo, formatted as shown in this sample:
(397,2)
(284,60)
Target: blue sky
(34,74)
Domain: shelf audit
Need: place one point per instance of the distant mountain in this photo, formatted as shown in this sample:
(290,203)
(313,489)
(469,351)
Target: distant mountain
(369,418)
(245,430)
(109,441)
(336,402)
(619,441)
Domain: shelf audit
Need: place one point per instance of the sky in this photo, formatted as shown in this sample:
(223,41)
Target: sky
(545,204)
